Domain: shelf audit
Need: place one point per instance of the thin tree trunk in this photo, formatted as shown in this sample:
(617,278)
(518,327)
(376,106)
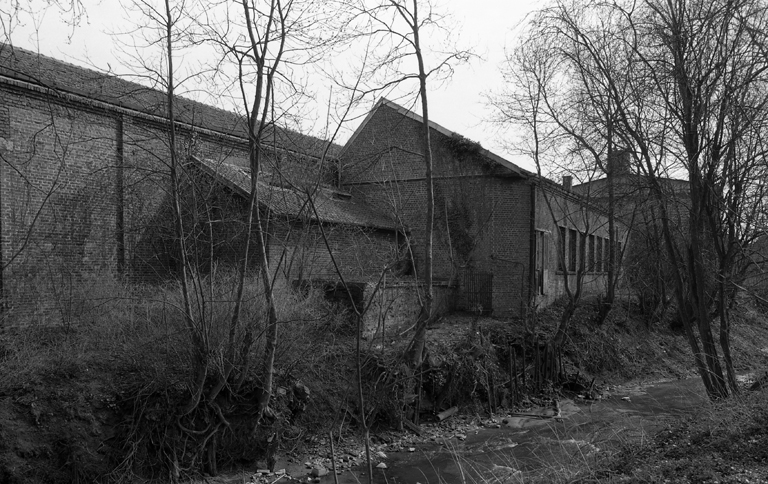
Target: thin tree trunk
(606,304)
(420,336)
(725,340)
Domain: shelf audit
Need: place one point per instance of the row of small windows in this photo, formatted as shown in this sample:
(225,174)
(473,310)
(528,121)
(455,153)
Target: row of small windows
(596,251)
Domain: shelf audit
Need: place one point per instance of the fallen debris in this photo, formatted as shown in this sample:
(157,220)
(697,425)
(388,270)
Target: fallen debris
(447,413)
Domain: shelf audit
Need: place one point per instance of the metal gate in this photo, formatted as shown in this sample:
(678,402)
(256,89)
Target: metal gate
(476,291)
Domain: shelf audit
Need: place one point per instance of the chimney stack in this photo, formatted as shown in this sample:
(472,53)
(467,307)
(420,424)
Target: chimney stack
(620,162)
(567,182)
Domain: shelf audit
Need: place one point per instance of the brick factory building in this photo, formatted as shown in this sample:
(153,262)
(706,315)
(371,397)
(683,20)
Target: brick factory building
(84,190)
(497,226)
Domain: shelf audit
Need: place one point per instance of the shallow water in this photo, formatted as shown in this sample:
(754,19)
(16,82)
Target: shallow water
(536,446)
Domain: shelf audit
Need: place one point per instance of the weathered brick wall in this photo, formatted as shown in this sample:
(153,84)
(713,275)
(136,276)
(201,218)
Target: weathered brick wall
(150,240)
(482,221)
(297,251)
(395,306)
(84,190)
(58,205)
(511,244)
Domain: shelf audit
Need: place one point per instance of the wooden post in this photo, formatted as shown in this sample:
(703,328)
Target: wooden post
(488,390)
(418,397)
(510,368)
(513,364)
(537,367)
(492,384)
(525,382)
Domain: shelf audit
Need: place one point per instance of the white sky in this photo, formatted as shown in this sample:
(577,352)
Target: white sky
(487,26)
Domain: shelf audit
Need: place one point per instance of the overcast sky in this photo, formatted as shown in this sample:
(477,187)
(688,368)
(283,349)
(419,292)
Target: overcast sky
(488,26)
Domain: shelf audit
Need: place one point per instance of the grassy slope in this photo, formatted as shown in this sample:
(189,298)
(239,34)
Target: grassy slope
(726,442)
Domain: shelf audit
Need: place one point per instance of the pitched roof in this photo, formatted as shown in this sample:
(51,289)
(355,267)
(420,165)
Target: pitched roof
(510,167)
(331,206)
(62,77)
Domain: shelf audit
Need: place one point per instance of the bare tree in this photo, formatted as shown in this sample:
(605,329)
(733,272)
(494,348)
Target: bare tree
(253,39)
(566,128)
(19,13)
(691,101)
(398,27)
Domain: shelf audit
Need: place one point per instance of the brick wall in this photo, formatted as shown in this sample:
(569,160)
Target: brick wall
(482,221)
(58,206)
(297,251)
(395,306)
(84,190)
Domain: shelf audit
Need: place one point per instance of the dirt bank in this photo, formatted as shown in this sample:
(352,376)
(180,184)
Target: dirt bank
(62,394)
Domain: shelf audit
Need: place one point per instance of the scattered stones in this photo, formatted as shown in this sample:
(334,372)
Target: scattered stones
(319,471)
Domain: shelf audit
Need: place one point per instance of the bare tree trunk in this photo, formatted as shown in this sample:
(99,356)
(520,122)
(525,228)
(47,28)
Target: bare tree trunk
(420,336)
(257,115)
(606,304)
(196,333)
(725,339)
(565,318)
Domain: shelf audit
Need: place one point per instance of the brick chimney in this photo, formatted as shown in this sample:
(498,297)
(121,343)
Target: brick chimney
(620,162)
(567,182)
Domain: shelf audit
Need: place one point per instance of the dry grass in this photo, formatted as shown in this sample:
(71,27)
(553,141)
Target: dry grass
(126,345)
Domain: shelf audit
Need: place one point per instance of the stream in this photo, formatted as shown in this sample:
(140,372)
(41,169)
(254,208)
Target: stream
(511,449)
(531,446)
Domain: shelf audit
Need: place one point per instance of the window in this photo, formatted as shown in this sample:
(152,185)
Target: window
(542,261)
(572,254)
(591,254)
(561,243)
(599,255)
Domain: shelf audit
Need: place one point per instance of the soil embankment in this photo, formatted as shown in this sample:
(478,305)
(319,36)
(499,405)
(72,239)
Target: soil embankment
(63,414)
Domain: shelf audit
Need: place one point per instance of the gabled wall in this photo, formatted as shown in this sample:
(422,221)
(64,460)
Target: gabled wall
(482,210)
